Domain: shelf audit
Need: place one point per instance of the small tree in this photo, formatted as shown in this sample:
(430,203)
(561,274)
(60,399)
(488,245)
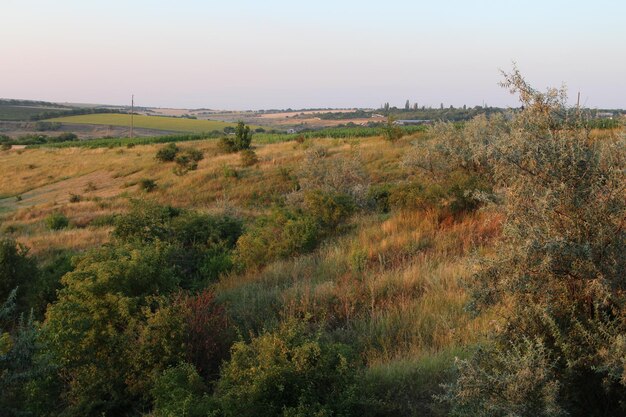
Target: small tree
(241,141)
(391,131)
(243,136)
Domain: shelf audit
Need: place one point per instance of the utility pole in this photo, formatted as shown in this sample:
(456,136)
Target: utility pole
(132,111)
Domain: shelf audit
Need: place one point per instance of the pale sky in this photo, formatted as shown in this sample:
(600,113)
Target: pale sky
(241,54)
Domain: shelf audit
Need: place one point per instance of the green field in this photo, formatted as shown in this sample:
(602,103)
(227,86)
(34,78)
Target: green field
(147,122)
(14,113)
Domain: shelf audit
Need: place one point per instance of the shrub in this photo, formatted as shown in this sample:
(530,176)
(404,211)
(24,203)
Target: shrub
(57,221)
(290,372)
(17,269)
(147,184)
(75,198)
(391,131)
(42,126)
(248,158)
(5,146)
(558,272)
(200,244)
(229,172)
(108,329)
(167,153)
(518,380)
(378,197)
(66,137)
(330,209)
(334,175)
(208,334)
(180,391)
(194,154)
(240,141)
(243,136)
(187,160)
(279,235)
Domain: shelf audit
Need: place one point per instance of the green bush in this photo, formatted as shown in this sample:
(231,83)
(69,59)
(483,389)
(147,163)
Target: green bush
(17,269)
(201,244)
(167,153)
(65,137)
(391,131)
(109,332)
(329,209)
(290,372)
(557,276)
(147,184)
(378,197)
(57,221)
(241,140)
(416,195)
(281,234)
(229,172)
(180,391)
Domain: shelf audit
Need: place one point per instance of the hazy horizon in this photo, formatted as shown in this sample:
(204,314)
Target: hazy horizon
(246,55)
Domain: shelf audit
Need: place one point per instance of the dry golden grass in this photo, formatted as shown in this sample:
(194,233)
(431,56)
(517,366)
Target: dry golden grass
(393,283)
(36,182)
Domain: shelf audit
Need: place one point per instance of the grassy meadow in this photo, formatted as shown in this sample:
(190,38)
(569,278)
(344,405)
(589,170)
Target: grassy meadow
(391,281)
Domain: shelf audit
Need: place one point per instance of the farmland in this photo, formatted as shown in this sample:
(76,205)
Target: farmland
(170,124)
(11,112)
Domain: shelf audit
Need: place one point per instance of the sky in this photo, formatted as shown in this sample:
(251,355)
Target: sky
(241,54)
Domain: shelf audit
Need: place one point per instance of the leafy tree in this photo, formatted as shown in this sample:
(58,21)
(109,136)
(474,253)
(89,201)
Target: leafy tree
(241,141)
(94,327)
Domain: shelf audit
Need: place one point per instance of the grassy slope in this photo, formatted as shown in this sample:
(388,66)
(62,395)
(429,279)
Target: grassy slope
(146,122)
(390,285)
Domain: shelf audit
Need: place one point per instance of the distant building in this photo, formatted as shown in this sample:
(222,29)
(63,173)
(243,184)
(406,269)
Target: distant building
(604,115)
(412,122)
(374,115)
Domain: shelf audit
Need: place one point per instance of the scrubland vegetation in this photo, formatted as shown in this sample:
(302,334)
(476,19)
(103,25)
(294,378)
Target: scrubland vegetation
(471,270)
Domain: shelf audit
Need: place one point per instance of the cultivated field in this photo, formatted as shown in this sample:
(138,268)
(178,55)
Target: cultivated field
(170,124)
